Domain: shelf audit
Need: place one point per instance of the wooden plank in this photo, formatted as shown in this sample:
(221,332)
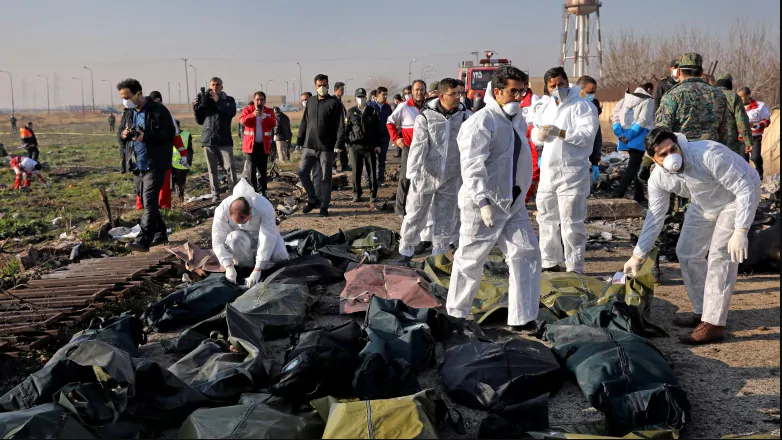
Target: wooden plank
(127,273)
(53,293)
(77,282)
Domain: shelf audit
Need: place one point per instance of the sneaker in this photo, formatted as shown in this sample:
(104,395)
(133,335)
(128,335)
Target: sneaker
(310,206)
(687,320)
(139,245)
(160,238)
(324,212)
(705,333)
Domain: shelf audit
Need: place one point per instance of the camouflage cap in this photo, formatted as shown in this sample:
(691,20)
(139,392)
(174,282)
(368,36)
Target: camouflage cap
(434,86)
(691,61)
(674,63)
(725,77)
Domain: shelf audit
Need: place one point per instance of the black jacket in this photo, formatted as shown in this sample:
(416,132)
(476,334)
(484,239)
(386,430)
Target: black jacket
(159,133)
(662,88)
(323,125)
(362,128)
(283,127)
(597,149)
(216,118)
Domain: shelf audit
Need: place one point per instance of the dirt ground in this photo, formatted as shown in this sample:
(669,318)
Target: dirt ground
(734,387)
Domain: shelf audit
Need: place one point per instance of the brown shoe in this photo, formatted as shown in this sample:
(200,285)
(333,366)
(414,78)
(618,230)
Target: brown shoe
(687,320)
(705,334)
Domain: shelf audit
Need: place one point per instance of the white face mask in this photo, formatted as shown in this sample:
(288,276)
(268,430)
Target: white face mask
(673,162)
(361,101)
(675,73)
(408,97)
(511,108)
(323,91)
(560,93)
(128,104)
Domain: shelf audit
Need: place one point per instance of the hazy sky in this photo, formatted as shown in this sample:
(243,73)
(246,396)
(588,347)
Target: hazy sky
(249,42)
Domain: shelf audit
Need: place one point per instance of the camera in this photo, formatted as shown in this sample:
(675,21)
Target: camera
(133,133)
(203,99)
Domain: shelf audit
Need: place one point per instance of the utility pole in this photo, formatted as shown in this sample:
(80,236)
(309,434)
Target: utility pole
(195,78)
(410,72)
(111,93)
(82,93)
(187,81)
(286,92)
(300,83)
(170,101)
(11,78)
(179,90)
(48,104)
(267,85)
(92,82)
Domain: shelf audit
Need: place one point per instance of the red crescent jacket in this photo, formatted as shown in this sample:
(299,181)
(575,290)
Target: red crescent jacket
(526,104)
(267,125)
(758,114)
(403,117)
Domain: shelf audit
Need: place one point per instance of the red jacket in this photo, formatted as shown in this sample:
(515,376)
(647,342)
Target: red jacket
(403,118)
(526,103)
(267,124)
(758,113)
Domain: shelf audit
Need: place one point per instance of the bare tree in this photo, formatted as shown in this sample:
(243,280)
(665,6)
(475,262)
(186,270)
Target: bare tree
(382,81)
(748,51)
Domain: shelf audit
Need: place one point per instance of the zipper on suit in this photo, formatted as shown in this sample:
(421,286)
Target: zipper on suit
(445,155)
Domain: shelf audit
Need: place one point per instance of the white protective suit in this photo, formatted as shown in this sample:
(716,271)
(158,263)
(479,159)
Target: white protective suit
(724,192)
(486,147)
(565,179)
(435,175)
(255,244)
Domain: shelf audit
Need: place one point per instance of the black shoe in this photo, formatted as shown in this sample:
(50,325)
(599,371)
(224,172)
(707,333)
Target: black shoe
(324,212)
(346,169)
(405,261)
(139,245)
(531,326)
(423,247)
(310,206)
(356,198)
(555,269)
(160,238)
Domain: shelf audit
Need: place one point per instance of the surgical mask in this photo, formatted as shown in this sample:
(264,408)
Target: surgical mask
(303,103)
(128,104)
(408,97)
(675,73)
(511,108)
(560,93)
(590,97)
(361,101)
(673,162)
(323,91)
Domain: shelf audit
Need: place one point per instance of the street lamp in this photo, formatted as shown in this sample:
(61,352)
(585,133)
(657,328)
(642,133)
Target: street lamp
(82,92)
(424,68)
(195,77)
(92,82)
(410,71)
(111,92)
(286,92)
(187,81)
(11,78)
(48,107)
(300,83)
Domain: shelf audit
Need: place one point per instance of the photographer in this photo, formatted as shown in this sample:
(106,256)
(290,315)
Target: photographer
(147,137)
(214,109)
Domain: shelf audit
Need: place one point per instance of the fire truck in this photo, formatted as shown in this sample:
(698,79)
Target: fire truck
(476,78)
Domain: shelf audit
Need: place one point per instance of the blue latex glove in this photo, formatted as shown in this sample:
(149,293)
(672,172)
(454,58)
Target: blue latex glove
(595,173)
(540,159)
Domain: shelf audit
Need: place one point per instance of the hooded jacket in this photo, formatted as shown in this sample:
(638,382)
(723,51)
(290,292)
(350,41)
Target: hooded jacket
(633,118)
(486,144)
(578,118)
(712,177)
(434,152)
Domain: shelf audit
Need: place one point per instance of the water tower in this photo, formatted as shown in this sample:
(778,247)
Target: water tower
(578,31)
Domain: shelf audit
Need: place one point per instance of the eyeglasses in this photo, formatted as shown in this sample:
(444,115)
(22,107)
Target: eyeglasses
(456,94)
(515,92)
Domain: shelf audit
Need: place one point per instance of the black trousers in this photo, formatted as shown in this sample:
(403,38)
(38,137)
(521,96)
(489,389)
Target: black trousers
(404,185)
(179,177)
(32,153)
(148,185)
(359,156)
(254,165)
(344,159)
(111,128)
(757,143)
(631,176)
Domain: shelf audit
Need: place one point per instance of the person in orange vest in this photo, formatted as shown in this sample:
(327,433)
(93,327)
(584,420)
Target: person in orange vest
(29,142)
(25,166)
(165,192)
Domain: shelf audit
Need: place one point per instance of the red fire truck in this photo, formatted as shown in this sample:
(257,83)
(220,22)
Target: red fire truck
(476,78)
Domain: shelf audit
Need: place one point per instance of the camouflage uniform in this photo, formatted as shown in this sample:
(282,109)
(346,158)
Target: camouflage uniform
(738,121)
(694,108)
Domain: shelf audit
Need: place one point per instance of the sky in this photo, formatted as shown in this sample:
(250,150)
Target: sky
(254,44)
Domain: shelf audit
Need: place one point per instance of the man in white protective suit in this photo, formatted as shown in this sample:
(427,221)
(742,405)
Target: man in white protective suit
(245,234)
(496,166)
(566,126)
(433,168)
(724,192)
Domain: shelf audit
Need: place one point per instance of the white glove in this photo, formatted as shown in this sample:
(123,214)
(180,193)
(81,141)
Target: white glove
(554,131)
(738,246)
(543,134)
(487,216)
(633,266)
(230,274)
(183,162)
(254,278)
(337,151)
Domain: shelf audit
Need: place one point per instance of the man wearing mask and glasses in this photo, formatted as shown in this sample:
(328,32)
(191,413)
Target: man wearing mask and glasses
(566,126)
(724,192)
(320,133)
(496,169)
